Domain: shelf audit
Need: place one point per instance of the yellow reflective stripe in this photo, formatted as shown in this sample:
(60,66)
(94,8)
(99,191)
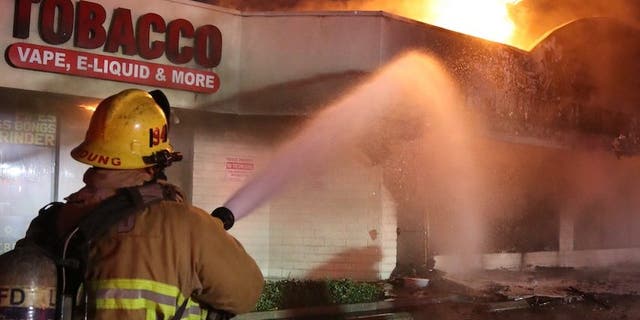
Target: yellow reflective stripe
(141,294)
(152,308)
(133,304)
(194,311)
(138,284)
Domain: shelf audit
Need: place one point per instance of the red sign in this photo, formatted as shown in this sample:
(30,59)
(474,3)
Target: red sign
(238,169)
(52,59)
(238,166)
(59,22)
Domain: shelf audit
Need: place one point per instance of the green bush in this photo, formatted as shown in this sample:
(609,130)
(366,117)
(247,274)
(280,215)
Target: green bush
(347,291)
(285,294)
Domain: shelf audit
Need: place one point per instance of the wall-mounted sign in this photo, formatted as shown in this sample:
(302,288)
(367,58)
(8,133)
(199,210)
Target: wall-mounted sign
(52,59)
(238,169)
(28,129)
(149,37)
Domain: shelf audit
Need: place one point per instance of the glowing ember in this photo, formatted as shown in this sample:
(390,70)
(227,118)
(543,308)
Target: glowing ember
(488,19)
(87,107)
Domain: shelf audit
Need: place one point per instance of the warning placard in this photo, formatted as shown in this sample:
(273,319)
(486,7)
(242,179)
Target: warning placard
(238,169)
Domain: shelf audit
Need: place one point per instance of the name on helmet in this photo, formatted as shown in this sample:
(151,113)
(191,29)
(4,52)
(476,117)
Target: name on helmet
(99,158)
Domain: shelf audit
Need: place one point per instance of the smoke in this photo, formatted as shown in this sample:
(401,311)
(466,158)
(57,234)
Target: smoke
(400,7)
(601,199)
(533,18)
(312,5)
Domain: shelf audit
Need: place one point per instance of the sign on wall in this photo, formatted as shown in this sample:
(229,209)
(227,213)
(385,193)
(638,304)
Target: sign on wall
(238,168)
(29,129)
(149,37)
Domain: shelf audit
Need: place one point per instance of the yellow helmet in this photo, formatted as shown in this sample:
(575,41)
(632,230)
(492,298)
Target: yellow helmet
(128,130)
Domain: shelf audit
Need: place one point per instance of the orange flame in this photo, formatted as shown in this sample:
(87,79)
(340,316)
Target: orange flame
(88,107)
(488,19)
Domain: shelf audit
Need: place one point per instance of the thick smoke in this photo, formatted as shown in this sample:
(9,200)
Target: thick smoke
(533,18)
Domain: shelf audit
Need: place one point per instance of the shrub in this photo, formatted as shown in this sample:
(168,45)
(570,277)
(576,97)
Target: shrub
(285,294)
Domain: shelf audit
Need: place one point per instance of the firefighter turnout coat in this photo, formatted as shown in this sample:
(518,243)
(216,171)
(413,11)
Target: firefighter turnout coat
(146,266)
(149,263)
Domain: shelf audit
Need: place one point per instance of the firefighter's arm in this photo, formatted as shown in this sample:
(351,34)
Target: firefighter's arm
(229,277)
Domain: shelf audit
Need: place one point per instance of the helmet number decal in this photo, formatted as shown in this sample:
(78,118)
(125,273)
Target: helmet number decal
(157,135)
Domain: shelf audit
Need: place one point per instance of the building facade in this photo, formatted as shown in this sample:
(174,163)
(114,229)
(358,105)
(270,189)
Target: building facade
(360,179)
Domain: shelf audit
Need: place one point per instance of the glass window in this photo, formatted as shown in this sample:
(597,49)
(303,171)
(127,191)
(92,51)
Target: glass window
(28,142)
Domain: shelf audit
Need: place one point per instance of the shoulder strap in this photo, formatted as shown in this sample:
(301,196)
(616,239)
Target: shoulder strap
(126,202)
(181,309)
(39,232)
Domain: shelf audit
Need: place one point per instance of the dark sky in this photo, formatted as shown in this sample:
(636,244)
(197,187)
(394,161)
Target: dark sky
(533,18)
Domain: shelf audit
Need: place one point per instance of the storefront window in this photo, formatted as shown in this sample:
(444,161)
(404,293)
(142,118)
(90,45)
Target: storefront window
(27,170)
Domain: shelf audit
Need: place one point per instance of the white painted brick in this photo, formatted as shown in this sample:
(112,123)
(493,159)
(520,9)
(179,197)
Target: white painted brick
(313,242)
(296,273)
(357,242)
(311,227)
(335,242)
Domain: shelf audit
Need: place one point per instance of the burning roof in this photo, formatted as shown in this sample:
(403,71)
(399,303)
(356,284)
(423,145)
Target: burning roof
(520,23)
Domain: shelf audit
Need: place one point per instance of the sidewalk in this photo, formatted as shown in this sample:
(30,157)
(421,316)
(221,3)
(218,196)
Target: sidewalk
(614,293)
(552,282)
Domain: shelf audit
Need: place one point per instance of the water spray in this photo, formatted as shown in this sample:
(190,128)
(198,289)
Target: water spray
(413,78)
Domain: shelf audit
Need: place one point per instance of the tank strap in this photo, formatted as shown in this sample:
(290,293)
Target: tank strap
(40,231)
(126,202)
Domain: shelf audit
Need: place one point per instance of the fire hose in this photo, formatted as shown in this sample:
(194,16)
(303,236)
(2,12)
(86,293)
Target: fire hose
(228,219)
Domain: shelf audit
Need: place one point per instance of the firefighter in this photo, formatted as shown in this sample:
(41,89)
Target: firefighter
(168,259)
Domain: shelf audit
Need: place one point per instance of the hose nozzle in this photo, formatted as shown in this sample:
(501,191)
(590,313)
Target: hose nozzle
(224,214)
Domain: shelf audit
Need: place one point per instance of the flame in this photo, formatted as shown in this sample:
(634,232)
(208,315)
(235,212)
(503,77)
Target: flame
(88,107)
(488,19)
